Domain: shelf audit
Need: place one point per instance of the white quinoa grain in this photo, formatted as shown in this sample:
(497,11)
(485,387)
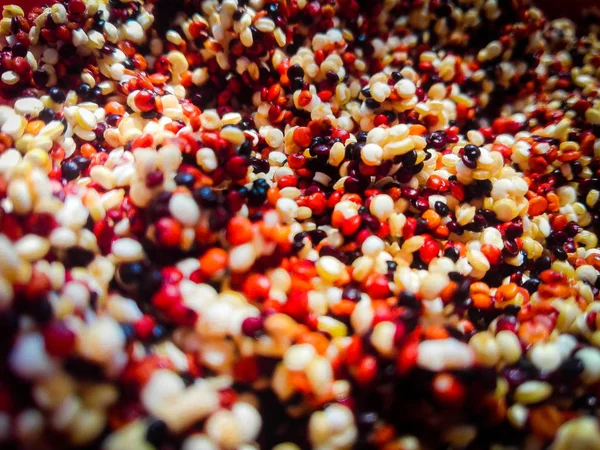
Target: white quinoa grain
(14,126)
(382,206)
(433,284)
(445,354)
(32,247)
(383,338)
(206,158)
(405,88)
(372,246)
(517,415)
(102,340)
(248,419)
(28,358)
(486,349)
(371,154)
(591,364)
(287,208)
(578,433)
(29,106)
(73,214)
(163,386)
(134,32)
(199,442)
(222,427)
(545,356)
(78,294)
(18,193)
(127,250)
(183,208)
(297,357)
(242,257)
(10,77)
(85,119)
(320,375)
(329,268)
(509,346)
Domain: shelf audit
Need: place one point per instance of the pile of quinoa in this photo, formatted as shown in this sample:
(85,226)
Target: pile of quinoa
(327,224)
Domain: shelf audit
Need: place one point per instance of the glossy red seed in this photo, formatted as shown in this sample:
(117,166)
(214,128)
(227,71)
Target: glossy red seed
(20,65)
(168,232)
(227,397)
(429,251)
(317,203)
(76,7)
(296,161)
(448,390)
(354,351)
(145,140)
(379,120)
(144,101)
(143,327)
(351,225)
(407,358)
(237,167)
(367,370)
(167,295)
(287,181)
(171,275)
(252,326)
(400,334)
(246,370)
(340,134)
(297,305)
(302,137)
(181,314)
(274,113)
(591,320)
(377,286)
(41,224)
(409,228)
(257,287)
(59,339)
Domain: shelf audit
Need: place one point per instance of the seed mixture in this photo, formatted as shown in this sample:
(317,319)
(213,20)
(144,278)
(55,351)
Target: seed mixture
(295,224)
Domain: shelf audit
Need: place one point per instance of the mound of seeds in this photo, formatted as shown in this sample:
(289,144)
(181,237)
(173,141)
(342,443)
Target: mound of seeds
(298,224)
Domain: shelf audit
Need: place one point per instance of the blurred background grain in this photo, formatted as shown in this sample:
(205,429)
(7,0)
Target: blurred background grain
(554,8)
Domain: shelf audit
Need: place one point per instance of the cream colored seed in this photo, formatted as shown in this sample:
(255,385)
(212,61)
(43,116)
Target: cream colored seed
(478,260)
(265,25)
(486,349)
(330,268)
(246,38)
(592,115)
(509,346)
(382,206)
(405,88)
(332,326)
(85,119)
(233,135)
(10,11)
(336,154)
(274,138)
(517,415)
(505,209)
(103,176)
(533,392)
(178,62)
(32,247)
(400,147)
(280,37)
(371,154)
(210,120)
